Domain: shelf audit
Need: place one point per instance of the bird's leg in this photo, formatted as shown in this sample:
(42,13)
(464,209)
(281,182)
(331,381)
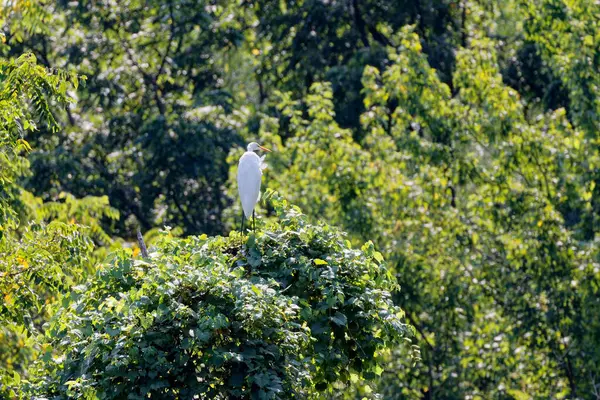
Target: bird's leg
(243,217)
(254,220)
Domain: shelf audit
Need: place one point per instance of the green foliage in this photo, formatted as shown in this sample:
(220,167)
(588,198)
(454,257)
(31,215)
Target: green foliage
(49,257)
(25,81)
(33,254)
(311,41)
(567,35)
(286,313)
(87,212)
(465,146)
(25,92)
(476,208)
(41,254)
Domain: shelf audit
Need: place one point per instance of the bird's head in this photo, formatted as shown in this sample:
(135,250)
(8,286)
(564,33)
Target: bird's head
(255,147)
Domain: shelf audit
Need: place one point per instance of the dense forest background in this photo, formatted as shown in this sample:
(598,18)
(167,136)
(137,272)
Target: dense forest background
(460,136)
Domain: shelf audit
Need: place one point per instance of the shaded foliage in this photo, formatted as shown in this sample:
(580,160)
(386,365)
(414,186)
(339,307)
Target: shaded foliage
(129,136)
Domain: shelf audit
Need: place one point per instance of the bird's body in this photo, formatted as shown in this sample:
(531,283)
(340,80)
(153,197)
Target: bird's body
(249,178)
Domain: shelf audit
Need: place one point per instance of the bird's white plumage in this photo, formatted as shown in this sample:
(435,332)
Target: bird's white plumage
(249,177)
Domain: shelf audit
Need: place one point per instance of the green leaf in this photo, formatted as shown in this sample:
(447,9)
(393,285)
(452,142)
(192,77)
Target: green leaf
(255,258)
(378,256)
(339,319)
(251,242)
(318,261)
(518,394)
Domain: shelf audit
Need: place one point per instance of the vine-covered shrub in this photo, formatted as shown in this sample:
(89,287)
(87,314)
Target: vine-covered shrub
(287,312)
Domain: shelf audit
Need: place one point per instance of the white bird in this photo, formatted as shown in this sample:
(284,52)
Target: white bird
(249,177)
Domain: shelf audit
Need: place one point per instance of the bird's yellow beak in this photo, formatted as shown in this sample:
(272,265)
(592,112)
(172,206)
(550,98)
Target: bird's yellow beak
(264,149)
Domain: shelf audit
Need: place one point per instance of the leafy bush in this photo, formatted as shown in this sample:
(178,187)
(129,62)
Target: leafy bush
(43,249)
(288,312)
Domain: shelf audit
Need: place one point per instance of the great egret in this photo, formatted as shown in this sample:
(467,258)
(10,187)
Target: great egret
(248,177)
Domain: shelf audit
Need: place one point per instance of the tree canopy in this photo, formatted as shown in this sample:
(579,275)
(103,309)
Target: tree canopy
(458,139)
